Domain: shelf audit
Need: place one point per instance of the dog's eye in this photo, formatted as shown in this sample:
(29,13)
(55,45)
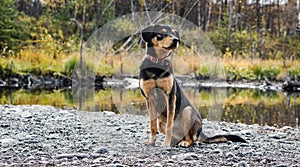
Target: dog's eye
(160,36)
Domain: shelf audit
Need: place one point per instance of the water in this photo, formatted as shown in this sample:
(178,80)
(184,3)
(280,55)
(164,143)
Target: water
(250,106)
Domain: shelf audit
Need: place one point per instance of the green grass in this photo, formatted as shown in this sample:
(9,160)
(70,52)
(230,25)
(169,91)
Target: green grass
(185,62)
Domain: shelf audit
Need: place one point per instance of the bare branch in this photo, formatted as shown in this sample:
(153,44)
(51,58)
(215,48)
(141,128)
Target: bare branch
(147,12)
(187,13)
(111,2)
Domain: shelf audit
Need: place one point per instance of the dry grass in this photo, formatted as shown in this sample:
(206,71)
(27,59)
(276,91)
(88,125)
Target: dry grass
(34,61)
(258,68)
(185,62)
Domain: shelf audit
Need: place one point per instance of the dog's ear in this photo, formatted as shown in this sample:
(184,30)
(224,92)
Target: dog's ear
(177,36)
(147,33)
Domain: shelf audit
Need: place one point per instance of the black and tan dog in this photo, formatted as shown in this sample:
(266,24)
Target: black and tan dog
(170,111)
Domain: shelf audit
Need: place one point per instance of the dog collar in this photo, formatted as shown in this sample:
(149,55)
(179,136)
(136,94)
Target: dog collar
(159,61)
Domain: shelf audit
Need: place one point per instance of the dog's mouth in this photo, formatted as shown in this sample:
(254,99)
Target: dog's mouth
(173,46)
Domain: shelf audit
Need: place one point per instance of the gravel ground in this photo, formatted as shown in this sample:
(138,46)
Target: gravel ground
(48,136)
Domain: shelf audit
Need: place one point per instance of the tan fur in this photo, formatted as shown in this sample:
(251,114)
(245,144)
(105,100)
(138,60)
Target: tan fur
(161,126)
(147,86)
(169,124)
(165,83)
(162,45)
(162,90)
(153,123)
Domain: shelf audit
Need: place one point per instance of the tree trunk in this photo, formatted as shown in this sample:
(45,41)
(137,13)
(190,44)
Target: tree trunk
(220,14)
(208,15)
(204,18)
(67,3)
(84,15)
(98,15)
(258,16)
(298,8)
(278,19)
(199,13)
(231,4)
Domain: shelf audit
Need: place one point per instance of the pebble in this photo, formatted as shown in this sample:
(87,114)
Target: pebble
(101,151)
(278,135)
(63,156)
(7,142)
(242,164)
(229,155)
(157,164)
(216,151)
(48,136)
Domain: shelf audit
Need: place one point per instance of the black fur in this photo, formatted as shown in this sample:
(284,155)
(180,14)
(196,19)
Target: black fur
(156,70)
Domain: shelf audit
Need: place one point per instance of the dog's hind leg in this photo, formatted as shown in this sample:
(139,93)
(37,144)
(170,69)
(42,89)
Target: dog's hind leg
(188,127)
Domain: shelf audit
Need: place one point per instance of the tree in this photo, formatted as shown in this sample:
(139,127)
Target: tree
(11,34)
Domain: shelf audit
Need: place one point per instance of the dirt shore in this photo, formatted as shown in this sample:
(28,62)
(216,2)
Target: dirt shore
(48,136)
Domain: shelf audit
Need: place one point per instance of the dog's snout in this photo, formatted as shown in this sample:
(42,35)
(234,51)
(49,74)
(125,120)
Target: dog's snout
(175,40)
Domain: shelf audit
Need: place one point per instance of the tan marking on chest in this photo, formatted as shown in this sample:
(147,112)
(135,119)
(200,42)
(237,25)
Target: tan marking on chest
(147,85)
(165,83)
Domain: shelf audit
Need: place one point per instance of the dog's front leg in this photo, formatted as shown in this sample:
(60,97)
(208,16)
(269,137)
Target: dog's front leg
(153,122)
(170,120)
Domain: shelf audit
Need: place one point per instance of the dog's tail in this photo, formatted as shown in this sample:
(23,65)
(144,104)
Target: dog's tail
(222,138)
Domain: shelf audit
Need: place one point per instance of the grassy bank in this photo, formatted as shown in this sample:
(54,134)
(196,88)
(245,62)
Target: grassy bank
(257,69)
(186,62)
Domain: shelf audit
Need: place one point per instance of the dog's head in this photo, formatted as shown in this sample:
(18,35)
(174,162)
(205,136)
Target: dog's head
(161,36)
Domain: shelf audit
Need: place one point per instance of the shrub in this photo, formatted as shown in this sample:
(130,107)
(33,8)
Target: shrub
(70,65)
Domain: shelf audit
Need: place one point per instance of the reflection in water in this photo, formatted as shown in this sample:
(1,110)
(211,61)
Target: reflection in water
(231,105)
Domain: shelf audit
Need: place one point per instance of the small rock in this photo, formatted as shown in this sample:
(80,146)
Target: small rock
(278,135)
(269,128)
(216,151)
(185,156)
(30,158)
(108,113)
(62,156)
(229,155)
(101,151)
(287,128)
(53,136)
(281,165)
(248,132)
(244,144)
(4,125)
(242,164)
(26,114)
(157,164)
(8,142)
(31,139)
(81,156)
(46,163)
(116,165)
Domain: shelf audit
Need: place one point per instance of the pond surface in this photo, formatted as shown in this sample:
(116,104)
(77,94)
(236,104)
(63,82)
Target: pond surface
(250,106)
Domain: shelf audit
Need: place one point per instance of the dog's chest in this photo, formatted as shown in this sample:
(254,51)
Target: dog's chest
(166,84)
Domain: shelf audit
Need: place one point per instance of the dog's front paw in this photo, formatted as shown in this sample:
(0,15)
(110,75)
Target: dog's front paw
(166,144)
(185,143)
(150,143)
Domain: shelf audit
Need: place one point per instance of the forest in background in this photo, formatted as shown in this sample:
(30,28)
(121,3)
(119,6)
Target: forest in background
(260,35)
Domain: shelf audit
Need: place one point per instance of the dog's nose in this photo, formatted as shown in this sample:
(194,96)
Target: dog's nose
(175,40)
